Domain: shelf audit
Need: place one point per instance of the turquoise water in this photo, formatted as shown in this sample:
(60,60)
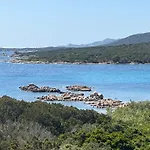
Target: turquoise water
(123,82)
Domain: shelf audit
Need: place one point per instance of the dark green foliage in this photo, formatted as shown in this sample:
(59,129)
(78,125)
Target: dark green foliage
(55,117)
(137,53)
(42,126)
(133,39)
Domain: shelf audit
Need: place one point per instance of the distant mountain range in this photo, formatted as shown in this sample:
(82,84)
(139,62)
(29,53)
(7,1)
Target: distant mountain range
(97,43)
(132,39)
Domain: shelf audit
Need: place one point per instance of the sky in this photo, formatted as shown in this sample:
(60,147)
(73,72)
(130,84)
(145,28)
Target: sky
(40,23)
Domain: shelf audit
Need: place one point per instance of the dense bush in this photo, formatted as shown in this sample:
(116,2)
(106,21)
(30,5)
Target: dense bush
(42,126)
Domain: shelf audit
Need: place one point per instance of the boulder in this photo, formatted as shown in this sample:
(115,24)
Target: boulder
(31,87)
(72,96)
(78,88)
(48,98)
(96,96)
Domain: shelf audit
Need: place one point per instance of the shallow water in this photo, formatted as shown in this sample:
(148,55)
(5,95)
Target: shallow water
(123,82)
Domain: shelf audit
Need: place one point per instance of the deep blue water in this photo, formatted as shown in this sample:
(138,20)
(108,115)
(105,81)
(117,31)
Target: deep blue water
(124,82)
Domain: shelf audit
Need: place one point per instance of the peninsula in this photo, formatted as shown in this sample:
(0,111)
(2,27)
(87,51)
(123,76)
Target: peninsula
(122,54)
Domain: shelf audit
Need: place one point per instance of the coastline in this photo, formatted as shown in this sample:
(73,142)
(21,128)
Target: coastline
(66,65)
(21,61)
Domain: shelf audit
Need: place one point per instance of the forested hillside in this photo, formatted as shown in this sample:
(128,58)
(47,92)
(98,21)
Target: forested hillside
(136,53)
(133,39)
(42,126)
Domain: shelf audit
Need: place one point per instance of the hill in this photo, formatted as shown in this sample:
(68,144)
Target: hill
(51,48)
(43,126)
(97,43)
(133,39)
(133,53)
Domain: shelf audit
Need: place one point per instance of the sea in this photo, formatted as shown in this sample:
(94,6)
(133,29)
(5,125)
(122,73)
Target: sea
(126,82)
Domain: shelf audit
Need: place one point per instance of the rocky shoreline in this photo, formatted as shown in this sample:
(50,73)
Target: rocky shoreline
(16,58)
(24,61)
(95,99)
(21,61)
(34,88)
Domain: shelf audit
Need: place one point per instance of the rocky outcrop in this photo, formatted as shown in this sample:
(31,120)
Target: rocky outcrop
(67,96)
(72,96)
(78,88)
(30,87)
(48,98)
(35,88)
(94,97)
(104,103)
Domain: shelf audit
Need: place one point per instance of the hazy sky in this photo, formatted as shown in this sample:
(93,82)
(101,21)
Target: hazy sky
(37,23)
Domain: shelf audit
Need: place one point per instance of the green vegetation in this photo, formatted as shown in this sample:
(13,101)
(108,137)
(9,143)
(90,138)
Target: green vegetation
(42,126)
(137,53)
(133,39)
